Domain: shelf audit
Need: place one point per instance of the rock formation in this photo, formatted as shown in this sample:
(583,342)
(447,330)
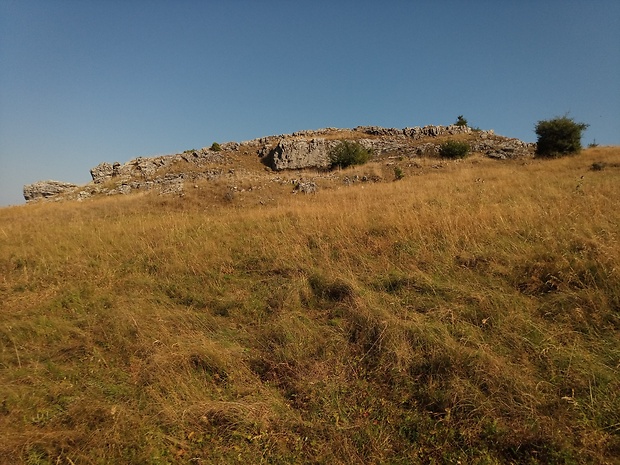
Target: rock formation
(296,154)
(46,189)
(299,150)
(293,152)
(102,172)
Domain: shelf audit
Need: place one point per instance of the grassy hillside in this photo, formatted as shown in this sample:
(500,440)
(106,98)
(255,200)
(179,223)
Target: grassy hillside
(467,313)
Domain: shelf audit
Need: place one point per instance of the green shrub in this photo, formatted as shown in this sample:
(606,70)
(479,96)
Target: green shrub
(398,173)
(460,121)
(216,147)
(558,137)
(348,153)
(454,149)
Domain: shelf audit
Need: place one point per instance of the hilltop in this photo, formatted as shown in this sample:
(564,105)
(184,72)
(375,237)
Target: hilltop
(298,151)
(409,310)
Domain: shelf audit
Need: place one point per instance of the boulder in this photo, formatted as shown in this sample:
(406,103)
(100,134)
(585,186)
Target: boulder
(102,172)
(502,148)
(46,189)
(305,187)
(297,154)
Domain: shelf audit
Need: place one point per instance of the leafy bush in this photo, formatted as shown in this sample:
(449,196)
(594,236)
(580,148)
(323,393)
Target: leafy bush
(454,149)
(460,121)
(216,147)
(348,153)
(558,137)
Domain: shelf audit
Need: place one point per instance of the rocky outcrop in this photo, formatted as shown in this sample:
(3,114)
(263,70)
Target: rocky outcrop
(379,131)
(306,187)
(46,189)
(435,131)
(302,149)
(297,154)
(102,172)
(147,168)
(415,132)
(502,148)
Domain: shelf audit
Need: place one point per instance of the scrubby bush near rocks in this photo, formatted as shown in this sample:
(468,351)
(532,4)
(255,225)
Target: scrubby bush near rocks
(216,147)
(348,153)
(558,137)
(460,121)
(454,149)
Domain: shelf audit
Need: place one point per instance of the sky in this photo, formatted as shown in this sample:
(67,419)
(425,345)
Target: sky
(88,81)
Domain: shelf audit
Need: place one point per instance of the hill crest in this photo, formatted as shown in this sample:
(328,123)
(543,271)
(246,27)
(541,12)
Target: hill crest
(301,150)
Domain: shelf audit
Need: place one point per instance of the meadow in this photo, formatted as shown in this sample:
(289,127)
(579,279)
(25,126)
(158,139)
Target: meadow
(466,313)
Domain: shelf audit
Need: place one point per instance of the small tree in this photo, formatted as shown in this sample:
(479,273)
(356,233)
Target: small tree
(460,121)
(348,153)
(558,137)
(454,149)
(216,147)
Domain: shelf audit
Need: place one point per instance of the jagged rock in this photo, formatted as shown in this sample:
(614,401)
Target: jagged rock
(434,131)
(313,132)
(297,154)
(83,195)
(502,148)
(46,189)
(302,149)
(146,167)
(305,187)
(427,150)
(102,172)
(379,131)
(230,146)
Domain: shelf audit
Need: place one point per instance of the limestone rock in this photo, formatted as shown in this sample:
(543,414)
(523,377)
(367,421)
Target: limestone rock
(297,154)
(102,172)
(502,148)
(230,146)
(305,187)
(434,131)
(379,131)
(46,189)
(302,149)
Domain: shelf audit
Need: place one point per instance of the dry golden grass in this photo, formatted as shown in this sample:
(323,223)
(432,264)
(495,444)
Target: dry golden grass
(468,312)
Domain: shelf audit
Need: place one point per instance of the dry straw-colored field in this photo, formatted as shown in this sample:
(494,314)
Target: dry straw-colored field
(463,314)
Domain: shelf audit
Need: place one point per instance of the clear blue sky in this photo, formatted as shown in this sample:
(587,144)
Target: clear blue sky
(83,82)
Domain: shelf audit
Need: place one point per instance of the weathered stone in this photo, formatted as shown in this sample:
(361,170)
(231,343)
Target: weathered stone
(46,189)
(302,149)
(427,150)
(230,146)
(102,172)
(307,187)
(379,131)
(297,154)
(434,131)
(502,148)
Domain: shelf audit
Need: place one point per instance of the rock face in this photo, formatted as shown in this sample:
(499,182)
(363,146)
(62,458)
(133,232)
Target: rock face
(292,152)
(102,172)
(415,132)
(297,154)
(502,148)
(45,189)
